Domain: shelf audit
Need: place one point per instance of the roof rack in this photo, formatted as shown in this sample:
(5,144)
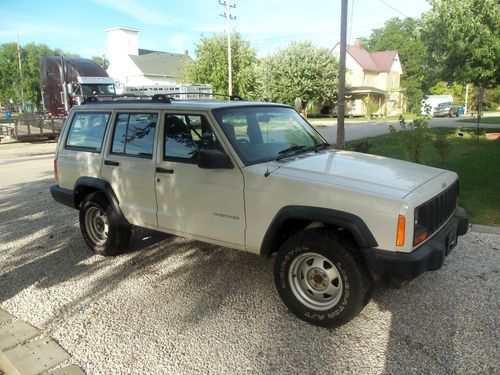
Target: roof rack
(231,97)
(156,98)
(127,98)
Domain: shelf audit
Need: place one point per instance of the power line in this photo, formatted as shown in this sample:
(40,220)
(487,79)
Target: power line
(394,9)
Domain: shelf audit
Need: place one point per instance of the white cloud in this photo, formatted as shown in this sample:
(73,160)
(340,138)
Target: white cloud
(135,9)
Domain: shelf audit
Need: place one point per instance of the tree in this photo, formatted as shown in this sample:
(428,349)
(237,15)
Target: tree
(102,61)
(210,65)
(299,71)
(403,36)
(463,40)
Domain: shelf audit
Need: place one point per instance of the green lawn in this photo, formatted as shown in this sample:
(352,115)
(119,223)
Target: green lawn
(477,166)
(484,120)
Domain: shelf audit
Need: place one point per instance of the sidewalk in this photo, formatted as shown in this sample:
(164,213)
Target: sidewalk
(25,350)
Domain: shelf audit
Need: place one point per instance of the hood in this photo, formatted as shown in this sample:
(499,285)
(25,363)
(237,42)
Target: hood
(359,171)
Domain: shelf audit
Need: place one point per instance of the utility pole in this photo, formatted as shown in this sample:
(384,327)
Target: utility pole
(341,99)
(466,98)
(228,17)
(20,72)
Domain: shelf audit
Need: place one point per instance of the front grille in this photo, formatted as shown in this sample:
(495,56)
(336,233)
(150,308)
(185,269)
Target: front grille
(431,215)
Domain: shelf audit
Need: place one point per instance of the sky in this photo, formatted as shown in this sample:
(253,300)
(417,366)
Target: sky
(77,26)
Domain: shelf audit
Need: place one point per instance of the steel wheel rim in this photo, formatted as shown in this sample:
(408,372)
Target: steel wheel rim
(315,281)
(96,223)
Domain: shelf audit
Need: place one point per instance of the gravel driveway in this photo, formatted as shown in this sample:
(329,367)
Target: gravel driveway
(174,306)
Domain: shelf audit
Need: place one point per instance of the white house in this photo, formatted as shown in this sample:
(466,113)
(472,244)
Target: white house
(131,66)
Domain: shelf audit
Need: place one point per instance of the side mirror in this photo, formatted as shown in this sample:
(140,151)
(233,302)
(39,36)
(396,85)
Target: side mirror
(213,159)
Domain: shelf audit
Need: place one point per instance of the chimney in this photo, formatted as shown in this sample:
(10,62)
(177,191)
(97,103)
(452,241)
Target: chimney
(186,52)
(357,43)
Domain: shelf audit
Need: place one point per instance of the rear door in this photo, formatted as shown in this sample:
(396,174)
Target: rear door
(129,164)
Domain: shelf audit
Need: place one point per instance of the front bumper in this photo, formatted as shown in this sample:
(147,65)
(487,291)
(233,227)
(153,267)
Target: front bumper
(397,269)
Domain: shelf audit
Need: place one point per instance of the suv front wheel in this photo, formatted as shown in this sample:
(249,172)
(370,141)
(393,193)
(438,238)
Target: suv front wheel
(320,279)
(101,227)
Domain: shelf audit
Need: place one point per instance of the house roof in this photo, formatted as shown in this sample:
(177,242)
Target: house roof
(160,63)
(372,61)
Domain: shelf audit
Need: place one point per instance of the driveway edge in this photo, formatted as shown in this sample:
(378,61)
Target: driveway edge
(25,349)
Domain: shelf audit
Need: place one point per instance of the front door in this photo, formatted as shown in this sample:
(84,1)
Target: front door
(207,203)
(129,165)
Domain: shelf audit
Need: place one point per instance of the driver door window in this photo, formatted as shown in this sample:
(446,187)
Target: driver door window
(185,135)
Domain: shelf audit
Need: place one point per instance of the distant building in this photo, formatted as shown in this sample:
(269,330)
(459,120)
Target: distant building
(373,81)
(131,66)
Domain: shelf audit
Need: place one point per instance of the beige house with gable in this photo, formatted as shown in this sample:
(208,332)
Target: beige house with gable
(373,82)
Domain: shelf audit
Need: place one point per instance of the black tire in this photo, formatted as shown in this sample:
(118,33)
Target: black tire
(114,241)
(353,283)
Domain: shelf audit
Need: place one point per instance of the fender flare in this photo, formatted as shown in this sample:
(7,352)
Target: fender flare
(99,185)
(350,222)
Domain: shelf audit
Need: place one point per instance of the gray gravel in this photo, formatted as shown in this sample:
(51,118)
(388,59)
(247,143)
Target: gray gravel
(177,306)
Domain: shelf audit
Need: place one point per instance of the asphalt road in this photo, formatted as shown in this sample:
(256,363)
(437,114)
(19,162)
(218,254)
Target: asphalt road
(364,129)
(174,306)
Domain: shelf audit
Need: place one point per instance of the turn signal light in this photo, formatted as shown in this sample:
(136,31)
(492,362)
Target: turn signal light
(400,238)
(419,238)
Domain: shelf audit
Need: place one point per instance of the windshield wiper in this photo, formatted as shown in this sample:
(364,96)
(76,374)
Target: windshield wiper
(289,151)
(321,146)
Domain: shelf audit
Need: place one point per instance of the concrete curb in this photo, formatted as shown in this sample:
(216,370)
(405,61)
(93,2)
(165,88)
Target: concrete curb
(485,229)
(25,350)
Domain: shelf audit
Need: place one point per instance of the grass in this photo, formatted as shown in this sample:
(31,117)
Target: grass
(484,120)
(477,166)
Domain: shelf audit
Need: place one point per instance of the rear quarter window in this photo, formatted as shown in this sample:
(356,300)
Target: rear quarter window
(86,132)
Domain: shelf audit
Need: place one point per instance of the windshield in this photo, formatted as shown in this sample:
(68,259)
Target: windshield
(443,105)
(266,133)
(96,89)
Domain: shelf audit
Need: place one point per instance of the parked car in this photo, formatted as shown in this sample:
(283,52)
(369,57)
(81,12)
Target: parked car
(257,177)
(446,110)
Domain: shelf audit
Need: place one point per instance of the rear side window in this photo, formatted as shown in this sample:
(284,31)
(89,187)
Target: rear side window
(87,131)
(134,134)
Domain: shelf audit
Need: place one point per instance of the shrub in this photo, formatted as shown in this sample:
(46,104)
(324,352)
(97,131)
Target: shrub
(442,146)
(414,136)
(360,146)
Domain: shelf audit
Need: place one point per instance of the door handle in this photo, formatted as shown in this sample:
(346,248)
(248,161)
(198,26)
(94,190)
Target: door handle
(111,162)
(164,170)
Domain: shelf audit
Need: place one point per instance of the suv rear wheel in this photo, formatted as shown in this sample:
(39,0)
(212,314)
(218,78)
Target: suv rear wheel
(320,279)
(100,226)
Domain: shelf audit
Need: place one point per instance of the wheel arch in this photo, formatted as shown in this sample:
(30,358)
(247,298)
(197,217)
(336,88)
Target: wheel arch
(88,185)
(291,219)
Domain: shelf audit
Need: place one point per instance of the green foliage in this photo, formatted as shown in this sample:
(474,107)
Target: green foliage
(442,146)
(299,71)
(210,65)
(463,40)
(10,82)
(102,61)
(371,105)
(414,136)
(360,146)
(455,89)
(403,36)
